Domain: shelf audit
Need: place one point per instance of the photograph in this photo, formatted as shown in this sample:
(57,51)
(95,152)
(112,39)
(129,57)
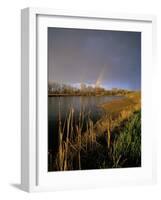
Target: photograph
(94,99)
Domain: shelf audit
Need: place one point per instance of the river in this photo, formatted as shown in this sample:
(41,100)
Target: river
(79,103)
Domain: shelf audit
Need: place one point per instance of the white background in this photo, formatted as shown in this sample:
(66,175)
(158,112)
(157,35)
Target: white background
(10,98)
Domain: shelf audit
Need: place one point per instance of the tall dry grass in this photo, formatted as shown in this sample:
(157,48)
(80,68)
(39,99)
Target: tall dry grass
(73,140)
(83,144)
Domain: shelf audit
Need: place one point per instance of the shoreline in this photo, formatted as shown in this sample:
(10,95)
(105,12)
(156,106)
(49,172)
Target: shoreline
(80,95)
(117,111)
(128,102)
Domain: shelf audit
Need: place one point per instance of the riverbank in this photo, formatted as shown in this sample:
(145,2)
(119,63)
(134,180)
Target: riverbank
(85,94)
(80,95)
(117,136)
(129,102)
(113,141)
(118,110)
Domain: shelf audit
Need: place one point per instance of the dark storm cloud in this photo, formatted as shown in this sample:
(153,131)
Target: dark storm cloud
(77,55)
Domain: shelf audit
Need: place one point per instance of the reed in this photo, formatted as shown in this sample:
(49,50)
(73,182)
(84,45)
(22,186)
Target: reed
(111,143)
(108,135)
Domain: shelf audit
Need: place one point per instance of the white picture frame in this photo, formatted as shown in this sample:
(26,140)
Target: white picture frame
(34,176)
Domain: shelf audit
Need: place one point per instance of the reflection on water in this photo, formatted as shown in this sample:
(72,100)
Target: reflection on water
(79,103)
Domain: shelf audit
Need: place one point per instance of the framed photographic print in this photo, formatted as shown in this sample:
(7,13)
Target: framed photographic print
(86,105)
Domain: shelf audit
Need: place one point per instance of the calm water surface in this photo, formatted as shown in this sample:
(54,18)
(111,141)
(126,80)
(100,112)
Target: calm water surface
(79,103)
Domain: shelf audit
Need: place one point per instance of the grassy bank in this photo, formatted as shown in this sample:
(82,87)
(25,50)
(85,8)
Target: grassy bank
(114,141)
(118,148)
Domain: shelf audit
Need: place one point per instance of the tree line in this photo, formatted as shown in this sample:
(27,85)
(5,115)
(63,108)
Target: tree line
(84,89)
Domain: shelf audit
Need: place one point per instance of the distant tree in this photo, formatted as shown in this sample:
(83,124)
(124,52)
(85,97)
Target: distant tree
(83,86)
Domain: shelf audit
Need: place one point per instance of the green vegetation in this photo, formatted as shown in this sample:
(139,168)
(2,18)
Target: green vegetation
(122,150)
(114,141)
(127,145)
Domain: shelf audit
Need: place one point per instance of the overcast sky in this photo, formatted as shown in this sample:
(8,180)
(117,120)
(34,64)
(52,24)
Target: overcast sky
(78,55)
